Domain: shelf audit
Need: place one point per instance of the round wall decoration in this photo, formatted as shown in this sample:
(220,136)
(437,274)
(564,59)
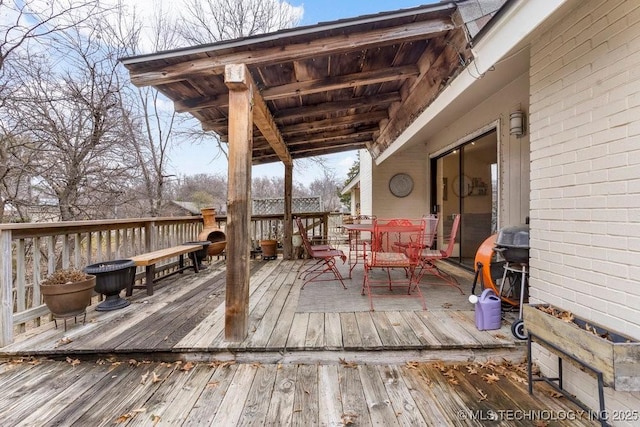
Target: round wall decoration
(401,185)
(462,186)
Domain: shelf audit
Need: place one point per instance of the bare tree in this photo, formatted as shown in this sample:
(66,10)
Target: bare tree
(33,20)
(15,153)
(149,125)
(70,113)
(26,26)
(207,21)
(328,188)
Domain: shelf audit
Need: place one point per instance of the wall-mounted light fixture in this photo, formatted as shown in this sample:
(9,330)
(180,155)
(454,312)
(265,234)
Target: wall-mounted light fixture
(516,123)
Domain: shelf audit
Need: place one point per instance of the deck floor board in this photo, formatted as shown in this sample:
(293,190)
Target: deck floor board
(186,316)
(299,365)
(291,394)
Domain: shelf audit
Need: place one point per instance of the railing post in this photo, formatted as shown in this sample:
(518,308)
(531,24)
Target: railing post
(6,300)
(325,230)
(150,236)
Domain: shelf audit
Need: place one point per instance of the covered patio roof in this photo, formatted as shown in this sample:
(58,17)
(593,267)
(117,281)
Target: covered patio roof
(321,89)
(309,91)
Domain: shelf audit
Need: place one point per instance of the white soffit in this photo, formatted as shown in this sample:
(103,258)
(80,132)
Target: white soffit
(502,40)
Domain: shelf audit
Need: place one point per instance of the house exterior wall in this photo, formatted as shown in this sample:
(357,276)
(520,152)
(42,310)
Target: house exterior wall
(513,153)
(585,174)
(412,161)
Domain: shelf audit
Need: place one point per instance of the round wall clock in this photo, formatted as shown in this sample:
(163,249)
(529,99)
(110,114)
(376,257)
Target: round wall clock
(464,188)
(401,185)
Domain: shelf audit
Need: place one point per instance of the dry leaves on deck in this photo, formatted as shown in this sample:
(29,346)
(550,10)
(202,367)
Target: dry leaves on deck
(187,367)
(64,341)
(491,378)
(221,363)
(348,419)
(129,415)
(413,365)
(471,370)
(483,395)
(73,362)
(346,364)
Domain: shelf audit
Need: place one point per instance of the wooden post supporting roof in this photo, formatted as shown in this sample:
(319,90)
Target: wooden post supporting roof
(287,246)
(241,99)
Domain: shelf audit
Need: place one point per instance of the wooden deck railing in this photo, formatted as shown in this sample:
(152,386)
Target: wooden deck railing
(30,252)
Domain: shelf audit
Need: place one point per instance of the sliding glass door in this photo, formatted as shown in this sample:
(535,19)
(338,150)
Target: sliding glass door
(466,182)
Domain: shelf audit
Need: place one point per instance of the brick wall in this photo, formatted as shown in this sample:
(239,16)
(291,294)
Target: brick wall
(585,164)
(585,173)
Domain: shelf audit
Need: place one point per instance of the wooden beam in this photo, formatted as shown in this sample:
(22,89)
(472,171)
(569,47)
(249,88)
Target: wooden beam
(295,51)
(334,122)
(287,245)
(241,94)
(331,107)
(214,124)
(201,103)
(316,151)
(262,117)
(340,82)
(305,88)
(322,135)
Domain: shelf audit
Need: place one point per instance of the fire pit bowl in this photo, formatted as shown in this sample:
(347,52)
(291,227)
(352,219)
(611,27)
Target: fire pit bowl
(111,278)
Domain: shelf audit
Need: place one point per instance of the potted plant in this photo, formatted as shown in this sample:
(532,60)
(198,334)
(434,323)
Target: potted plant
(67,292)
(269,249)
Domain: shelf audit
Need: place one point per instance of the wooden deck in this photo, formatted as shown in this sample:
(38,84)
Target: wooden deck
(163,361)
(132,393)
(185,319)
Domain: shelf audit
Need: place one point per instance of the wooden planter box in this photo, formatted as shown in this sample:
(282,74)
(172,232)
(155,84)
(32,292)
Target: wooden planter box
(618,358)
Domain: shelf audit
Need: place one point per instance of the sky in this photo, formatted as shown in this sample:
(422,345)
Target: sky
(185,163)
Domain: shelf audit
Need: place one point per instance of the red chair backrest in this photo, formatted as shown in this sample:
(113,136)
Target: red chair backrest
(452,237)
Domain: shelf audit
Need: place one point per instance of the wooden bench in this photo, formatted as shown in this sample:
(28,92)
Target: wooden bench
(150,259)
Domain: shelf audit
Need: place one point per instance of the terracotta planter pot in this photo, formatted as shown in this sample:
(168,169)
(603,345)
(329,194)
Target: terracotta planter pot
(69,299)
(269,249)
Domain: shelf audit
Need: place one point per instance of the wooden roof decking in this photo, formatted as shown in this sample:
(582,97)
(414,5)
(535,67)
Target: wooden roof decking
(329,87)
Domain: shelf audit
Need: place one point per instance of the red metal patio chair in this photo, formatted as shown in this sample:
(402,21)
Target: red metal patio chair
(356,238)
(324,257)
(429,235)
(430,257)
(382,253)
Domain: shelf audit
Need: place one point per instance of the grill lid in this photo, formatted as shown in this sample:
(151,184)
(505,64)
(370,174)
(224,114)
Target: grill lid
(514,237)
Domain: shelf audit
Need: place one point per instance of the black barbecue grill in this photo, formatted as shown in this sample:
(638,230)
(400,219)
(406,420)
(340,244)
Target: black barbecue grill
(513,244)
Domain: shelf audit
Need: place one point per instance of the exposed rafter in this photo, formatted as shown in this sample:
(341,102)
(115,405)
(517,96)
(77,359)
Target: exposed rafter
(340,82)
